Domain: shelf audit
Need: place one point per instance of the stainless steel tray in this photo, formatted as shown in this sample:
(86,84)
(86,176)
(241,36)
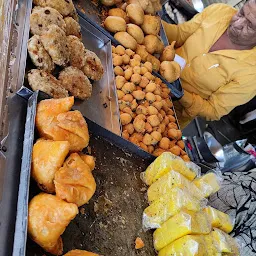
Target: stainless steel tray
(110,230)
(102,107)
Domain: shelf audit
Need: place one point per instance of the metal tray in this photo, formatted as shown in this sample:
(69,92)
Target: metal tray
(89,12)
(102,107)
(112,228)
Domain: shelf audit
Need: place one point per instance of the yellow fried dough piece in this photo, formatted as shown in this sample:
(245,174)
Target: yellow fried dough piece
(74,182)
(47,157)
(48,217)
(54,121)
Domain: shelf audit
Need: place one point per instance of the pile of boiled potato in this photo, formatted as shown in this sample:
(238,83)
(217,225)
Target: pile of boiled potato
(138,30)
(146,111)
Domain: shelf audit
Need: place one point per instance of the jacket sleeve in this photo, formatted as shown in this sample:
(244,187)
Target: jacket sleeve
(220,103)
(180,33)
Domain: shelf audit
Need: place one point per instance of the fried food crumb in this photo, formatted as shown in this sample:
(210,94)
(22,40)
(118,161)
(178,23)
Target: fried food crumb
(139,243)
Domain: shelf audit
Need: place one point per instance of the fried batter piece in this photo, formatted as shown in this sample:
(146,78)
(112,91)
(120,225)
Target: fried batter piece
(77,52)
(55,43)
(80,253)
(41,80)
(64,7)
(39,55)
(76,82)
(42,17)
(54,121)
(93,67)
(72,27)
(48,217)
(74,182)
(89,160)
(47,157)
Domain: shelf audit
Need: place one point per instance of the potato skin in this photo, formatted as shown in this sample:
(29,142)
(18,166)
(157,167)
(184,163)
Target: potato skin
(135,14)
(115,24)
(151,25)
(136,32)
(118,12)
(126,40)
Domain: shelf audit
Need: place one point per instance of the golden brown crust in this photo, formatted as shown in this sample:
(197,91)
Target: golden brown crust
(76,82)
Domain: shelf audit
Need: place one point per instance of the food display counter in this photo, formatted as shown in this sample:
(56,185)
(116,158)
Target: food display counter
(92,157)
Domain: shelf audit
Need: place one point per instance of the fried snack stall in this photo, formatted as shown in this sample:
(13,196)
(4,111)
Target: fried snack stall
(93,162)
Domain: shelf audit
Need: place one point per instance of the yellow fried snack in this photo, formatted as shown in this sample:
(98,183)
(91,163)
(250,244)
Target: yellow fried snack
(186,246)
(181,224)
(89,160)
(219,219)
(80,253)
(48,217)
(168,162)
(208,184)
(47,157)
(171,180)
(74,182)
(54,121)
(167,206)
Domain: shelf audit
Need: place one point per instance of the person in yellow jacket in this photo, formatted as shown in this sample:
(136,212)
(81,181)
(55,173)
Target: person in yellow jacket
(219,48)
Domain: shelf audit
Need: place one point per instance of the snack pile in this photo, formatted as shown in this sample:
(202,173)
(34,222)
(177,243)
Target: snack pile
(137,27)
(62,172)
(185,225)
(146,111)
(56,42)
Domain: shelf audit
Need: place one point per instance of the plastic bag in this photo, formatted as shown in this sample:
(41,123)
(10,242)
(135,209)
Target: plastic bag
(181,224)
(170,180)
(185,246)
(209,183)
(168,205)
(165,163)
(220,219)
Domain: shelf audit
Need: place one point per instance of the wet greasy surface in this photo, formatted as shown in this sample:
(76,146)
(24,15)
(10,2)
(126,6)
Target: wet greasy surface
(112,220)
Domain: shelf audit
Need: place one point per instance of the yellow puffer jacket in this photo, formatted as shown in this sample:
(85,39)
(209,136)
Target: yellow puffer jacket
(214,83)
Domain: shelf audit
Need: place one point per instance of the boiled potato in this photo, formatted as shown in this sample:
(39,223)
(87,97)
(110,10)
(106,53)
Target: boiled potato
(135,14)
(115,24)
(136,32)
(118,12)
(153,60)
(170,70)
(151,25)
(142,51)
(168,53)
(151,43)
(126,40)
